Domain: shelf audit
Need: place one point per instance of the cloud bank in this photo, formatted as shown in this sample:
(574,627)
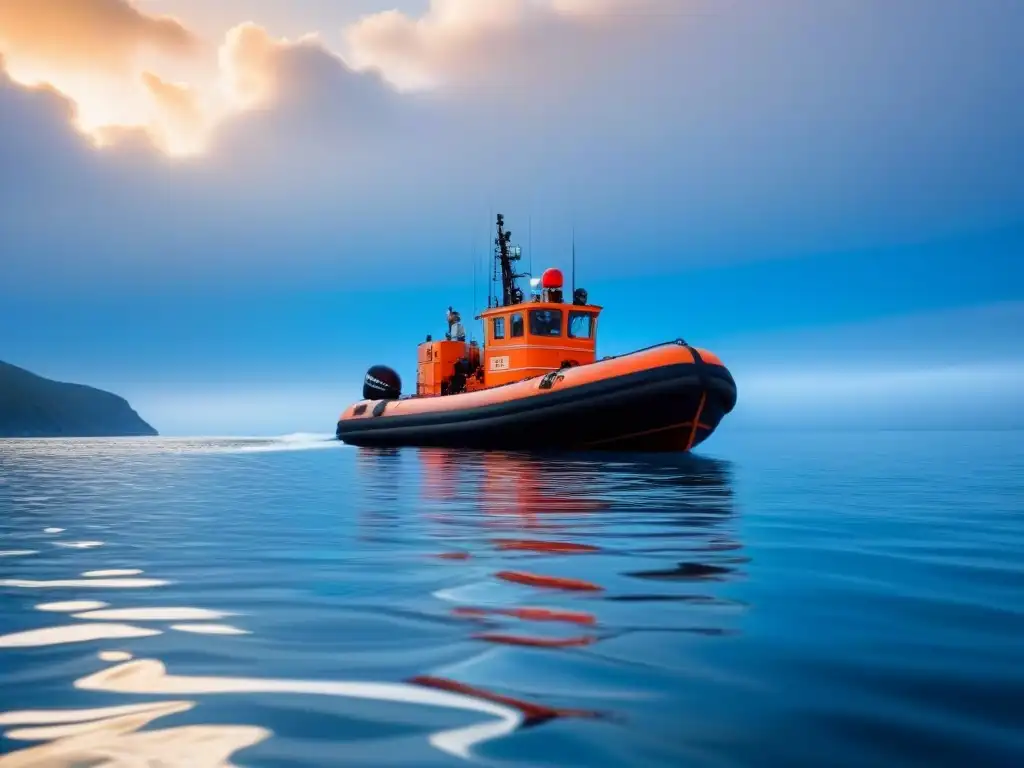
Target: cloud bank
(463,43)
(678,132)
(952,369)
(97,35)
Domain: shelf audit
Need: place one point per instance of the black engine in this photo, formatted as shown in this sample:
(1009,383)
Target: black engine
(382,383)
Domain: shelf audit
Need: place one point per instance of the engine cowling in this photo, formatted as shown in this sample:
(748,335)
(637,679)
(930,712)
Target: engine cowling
(382,383)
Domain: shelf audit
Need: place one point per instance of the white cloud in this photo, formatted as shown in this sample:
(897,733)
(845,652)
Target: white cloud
(466,41)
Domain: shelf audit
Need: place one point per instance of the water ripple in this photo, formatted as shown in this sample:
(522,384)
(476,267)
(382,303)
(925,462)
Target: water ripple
(317,607)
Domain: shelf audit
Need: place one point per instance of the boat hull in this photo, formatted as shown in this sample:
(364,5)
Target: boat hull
(674,405)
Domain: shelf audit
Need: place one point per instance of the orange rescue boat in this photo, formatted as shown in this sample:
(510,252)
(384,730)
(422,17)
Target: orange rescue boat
(537,383)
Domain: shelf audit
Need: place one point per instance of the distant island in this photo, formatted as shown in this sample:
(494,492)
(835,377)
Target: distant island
(33,406)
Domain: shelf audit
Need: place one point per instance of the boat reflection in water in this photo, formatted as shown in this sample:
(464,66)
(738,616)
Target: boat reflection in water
(549,536)
(514,589)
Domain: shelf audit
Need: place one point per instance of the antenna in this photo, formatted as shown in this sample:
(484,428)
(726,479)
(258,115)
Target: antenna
(529,243)
(490,282)
(574,260)
(504,256)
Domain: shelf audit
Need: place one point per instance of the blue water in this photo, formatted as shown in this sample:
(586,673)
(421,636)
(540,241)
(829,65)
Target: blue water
(807,599)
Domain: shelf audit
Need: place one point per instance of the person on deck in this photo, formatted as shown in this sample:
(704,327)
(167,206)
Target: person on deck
(455,328)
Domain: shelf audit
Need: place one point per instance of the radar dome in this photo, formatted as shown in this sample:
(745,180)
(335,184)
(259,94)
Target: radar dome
(552,278)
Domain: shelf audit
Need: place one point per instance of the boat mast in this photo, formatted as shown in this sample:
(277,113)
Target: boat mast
(504,255)
(529,251)
(473,257)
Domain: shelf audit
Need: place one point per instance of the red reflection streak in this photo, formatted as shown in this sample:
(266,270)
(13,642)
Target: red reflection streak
(514,494)
(512,486)
(545,614)
(475,613)
(530,614)
(533,713)
(440,475)
(549,582)
(536,642)
(559,547)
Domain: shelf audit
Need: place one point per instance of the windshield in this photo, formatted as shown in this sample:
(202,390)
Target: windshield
(545,322)
(581,325)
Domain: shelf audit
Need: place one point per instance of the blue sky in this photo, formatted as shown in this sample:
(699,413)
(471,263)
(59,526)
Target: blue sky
(830,195)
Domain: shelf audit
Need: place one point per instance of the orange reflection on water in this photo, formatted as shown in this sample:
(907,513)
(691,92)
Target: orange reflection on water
(526,494)
(514,484)
(551,547)
(440,474)
(548,582)
(521,490)
(529,614)
(682,505)
(536,642)
(453,556)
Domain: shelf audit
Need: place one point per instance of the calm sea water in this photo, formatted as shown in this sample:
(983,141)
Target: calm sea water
(810,599)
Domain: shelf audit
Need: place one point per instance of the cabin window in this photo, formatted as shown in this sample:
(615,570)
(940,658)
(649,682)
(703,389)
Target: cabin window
(581,325)
(545,322)
(516,325)
(498,328)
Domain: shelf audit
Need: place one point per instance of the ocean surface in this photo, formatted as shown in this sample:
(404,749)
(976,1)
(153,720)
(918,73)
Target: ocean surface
(811,599)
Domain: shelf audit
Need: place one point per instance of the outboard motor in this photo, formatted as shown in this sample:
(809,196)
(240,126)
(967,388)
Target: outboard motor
(382,383)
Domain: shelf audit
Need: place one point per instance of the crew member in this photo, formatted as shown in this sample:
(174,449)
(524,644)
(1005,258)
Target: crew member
(458,332)
(455,327)
(544,323)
